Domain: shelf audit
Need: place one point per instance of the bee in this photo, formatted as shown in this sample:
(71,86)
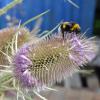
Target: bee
(69,27)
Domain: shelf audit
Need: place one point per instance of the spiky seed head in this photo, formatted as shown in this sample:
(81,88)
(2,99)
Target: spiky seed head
(6,36)
(42,64)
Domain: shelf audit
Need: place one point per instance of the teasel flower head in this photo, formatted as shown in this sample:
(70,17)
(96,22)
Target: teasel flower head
(39,65)
(7,36)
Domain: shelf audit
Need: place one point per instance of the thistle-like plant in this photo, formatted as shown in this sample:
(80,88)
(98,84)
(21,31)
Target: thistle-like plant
(36,66)
(51,60)
(7,36)
(31,67)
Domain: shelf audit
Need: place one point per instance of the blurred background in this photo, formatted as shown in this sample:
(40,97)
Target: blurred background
(81,86)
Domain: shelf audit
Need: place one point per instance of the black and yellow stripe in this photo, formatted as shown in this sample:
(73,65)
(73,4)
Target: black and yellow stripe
(69,27)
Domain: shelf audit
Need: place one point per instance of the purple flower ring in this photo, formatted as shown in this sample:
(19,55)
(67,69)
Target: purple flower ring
(47,61)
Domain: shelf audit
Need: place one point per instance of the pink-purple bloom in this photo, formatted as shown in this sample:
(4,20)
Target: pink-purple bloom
(22,64)
(51,67)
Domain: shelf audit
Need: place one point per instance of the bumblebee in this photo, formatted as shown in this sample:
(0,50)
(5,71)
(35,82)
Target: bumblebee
(69,27)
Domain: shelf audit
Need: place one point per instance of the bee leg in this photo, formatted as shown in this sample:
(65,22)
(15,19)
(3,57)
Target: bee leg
(63,35)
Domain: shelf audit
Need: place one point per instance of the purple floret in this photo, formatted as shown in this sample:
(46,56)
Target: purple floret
(80,54)
(21,70)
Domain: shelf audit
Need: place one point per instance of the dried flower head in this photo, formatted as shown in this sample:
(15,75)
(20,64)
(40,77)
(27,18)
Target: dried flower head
(43,63)
(6,38)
